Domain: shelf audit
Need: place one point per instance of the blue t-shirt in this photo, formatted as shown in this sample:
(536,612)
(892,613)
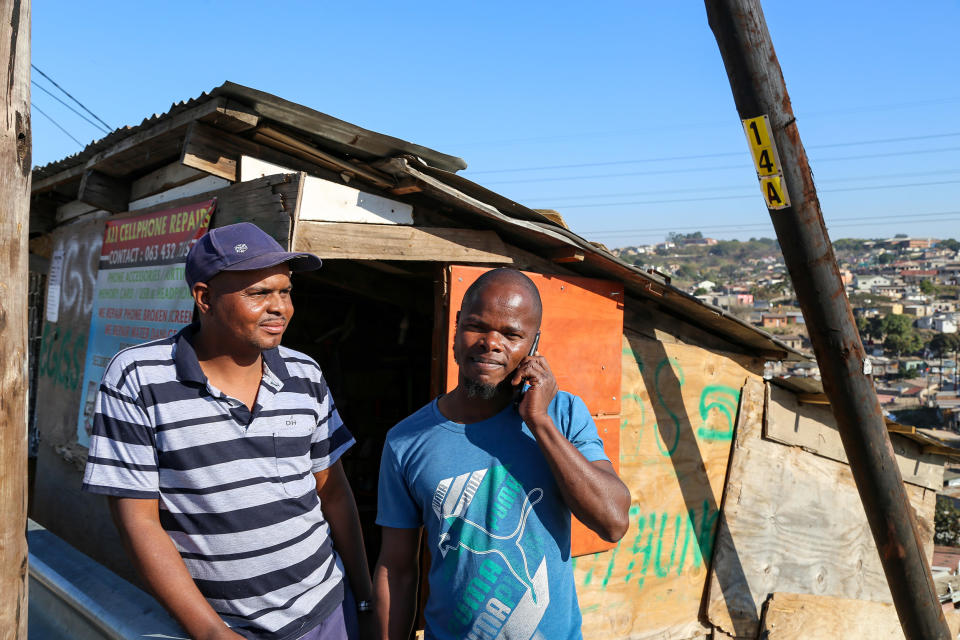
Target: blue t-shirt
(496,525)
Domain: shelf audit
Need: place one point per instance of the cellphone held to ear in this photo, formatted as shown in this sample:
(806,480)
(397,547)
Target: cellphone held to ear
(518,393)
(536,343)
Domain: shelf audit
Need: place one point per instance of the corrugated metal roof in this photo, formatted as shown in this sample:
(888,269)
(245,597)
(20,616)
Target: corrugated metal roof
(334,133)
(327,131)
(112,138)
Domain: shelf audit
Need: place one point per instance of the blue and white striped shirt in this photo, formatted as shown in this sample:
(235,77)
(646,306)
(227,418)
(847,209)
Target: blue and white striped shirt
(236,488)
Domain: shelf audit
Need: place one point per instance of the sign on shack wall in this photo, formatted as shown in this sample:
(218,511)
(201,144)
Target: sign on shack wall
(140,293)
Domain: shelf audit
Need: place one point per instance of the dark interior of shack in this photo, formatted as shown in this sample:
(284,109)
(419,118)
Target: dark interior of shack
(370,329)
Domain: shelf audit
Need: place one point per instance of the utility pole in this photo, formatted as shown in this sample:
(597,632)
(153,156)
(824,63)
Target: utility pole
(15,165)
(787,185)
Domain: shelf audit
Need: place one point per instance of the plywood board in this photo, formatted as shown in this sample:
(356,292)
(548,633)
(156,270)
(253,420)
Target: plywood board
(792,616)
(679,404)
(252,168)
(355,241)
(814,428)
(73,209)
(793,521)
(582,539)
(168,177)
(190,188)
(328,201)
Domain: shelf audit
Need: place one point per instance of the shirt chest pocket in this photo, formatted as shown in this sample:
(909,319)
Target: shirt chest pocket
(294,464)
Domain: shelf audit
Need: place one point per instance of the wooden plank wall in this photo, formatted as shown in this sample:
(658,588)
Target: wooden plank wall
(793,521)
(813,428)
(679,403)
(792,616)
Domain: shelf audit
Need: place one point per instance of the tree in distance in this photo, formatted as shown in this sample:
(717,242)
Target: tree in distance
(946,522)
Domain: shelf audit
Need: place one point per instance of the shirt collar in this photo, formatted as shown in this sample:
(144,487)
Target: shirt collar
(185,358)
(274,364)
(188,366)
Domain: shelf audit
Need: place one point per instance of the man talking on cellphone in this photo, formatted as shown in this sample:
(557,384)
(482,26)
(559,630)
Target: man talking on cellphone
(492,471)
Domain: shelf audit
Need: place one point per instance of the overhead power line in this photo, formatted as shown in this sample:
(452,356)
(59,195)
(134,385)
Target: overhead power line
(554,200)
(623,239)
(711,124)
(746,163)
(911,217)
(55,123)
(82,106)
(753,195)
(51,94)
(702,156)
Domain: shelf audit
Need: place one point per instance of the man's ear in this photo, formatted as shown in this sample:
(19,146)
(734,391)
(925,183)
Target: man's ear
(456,329)
(201,296)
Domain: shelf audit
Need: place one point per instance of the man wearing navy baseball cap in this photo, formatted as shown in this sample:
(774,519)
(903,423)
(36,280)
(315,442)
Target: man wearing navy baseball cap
(219,450)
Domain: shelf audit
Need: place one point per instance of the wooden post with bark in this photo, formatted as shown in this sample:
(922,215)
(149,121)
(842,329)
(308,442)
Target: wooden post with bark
(15,164)
(786,182)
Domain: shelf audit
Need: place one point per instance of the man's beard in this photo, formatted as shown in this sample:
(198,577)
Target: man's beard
(480,390)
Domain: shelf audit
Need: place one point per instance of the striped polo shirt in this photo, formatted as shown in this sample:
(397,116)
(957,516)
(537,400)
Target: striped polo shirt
(235,487)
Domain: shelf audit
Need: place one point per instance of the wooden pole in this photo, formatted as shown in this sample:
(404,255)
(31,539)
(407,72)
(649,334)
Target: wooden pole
(15,164)
(761,98)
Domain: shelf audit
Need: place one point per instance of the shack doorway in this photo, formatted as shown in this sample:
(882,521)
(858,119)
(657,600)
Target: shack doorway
(370,327)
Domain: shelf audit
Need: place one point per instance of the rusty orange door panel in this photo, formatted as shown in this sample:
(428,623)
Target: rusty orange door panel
(581,338)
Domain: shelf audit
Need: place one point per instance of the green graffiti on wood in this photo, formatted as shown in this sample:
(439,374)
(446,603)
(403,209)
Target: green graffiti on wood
(652,545)
(717,398)
(657,566)
(723,400)
(628,351)
(62,355)
(632,454)
(674,440)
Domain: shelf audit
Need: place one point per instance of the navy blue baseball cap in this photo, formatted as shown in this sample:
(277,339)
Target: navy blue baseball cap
(240,247)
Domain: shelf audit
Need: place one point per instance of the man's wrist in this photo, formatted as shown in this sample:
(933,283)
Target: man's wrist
(540,423)
(364,606)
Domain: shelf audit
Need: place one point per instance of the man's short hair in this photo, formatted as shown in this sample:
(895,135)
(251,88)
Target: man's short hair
(507,276)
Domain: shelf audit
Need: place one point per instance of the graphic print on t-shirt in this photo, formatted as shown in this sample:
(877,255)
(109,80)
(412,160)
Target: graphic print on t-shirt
(486,513)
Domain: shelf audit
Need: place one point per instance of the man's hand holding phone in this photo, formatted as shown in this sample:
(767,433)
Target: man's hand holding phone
(535,399)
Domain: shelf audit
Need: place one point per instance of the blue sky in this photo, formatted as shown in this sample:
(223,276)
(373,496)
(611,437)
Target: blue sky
(617,114)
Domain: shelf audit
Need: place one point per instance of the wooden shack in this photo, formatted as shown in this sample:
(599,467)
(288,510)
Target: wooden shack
(744,518)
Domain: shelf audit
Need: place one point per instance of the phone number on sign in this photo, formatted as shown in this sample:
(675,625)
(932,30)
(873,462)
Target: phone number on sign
(149,253)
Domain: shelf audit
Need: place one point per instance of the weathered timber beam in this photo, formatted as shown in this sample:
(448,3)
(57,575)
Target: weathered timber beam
(212,108)
(405,186)
(355,241)
(43,212)
(218,153)
(221,111)
(104,192)
(569,254)
(164,178)
(553,215)
(208,149)
(289,144)
(14,344)
(232,117)
(813,398)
